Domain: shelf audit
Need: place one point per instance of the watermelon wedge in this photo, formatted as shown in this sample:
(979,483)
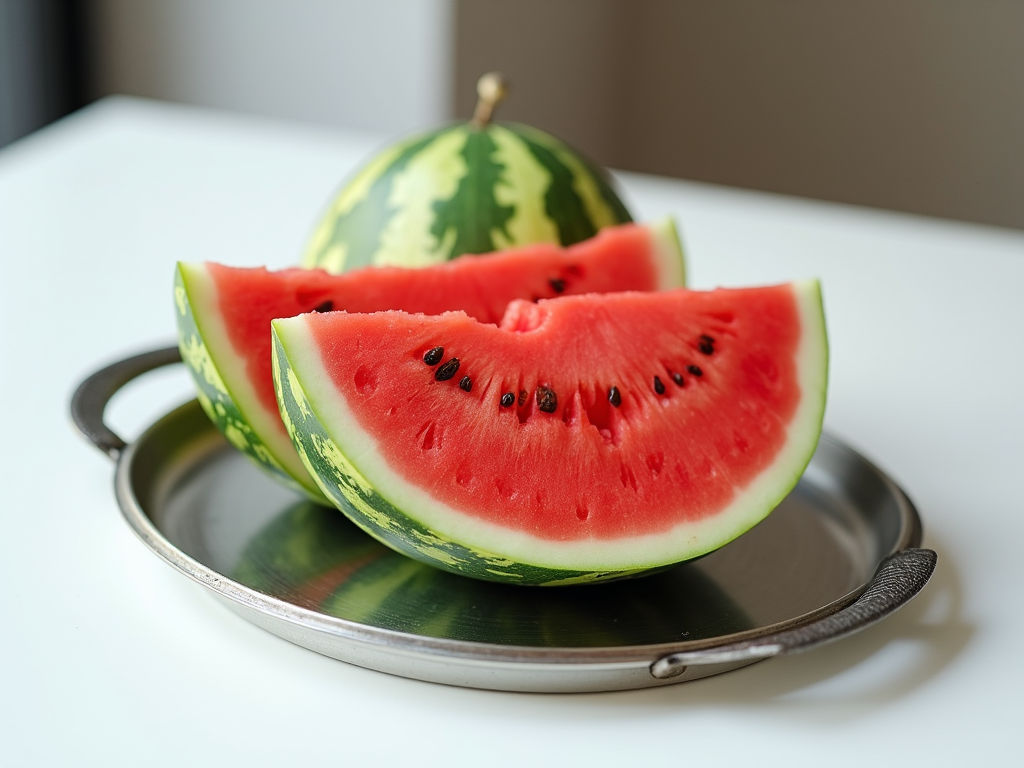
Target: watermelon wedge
(587,437)
(224,315)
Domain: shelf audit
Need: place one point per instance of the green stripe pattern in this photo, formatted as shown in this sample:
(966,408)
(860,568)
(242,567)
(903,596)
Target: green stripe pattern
(463,190)
(216,399)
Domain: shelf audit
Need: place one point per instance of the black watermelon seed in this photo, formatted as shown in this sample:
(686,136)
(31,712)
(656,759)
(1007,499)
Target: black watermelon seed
(614,397)
(507,399)
(706,344)
(466,384)
(447,370)
(547,400)
(325,306)
(658,386)
(433,356)
(557,284)
(522,397)
(677,378)
(695,370)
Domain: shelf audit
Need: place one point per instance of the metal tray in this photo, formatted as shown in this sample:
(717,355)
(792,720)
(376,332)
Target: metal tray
(837,555)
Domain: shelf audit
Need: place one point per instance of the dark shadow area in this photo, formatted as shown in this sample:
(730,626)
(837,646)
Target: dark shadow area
(45,65)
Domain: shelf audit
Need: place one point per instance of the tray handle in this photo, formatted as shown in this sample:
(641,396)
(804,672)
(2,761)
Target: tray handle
(90,399)
(900,576)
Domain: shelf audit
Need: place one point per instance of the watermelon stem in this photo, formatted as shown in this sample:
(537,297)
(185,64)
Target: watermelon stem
(491,89)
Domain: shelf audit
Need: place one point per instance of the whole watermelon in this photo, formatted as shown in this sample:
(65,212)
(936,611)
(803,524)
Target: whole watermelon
(472,187)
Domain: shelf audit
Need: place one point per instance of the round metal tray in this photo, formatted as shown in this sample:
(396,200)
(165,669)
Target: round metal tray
(838,554)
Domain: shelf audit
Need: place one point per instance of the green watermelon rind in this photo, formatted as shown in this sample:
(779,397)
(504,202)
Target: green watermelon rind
(352,473)
(202,340)
(504,186)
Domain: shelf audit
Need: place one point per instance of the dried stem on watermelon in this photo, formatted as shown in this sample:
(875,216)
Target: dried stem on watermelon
(491,89)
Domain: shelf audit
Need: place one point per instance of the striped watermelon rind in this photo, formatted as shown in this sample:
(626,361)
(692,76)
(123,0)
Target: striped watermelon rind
(463,189)
(247,427)
(352,472)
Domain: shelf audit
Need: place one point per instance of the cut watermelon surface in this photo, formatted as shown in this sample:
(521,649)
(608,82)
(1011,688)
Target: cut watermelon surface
(587,437)
(224,315)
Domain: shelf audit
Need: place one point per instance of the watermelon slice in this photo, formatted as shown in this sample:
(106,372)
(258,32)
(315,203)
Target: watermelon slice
(588,437)
(224,315)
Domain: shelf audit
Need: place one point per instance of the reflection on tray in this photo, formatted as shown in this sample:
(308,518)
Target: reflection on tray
(315,558)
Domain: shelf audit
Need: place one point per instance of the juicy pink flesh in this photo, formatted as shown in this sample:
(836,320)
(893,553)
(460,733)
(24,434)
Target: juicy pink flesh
(588,469)
(618,258)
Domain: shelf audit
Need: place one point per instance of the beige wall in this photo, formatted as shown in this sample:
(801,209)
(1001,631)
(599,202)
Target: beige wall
(381,65)
(914,105)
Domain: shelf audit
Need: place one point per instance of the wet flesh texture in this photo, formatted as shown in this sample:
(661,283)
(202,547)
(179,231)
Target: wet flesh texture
(597,443)
(482,286)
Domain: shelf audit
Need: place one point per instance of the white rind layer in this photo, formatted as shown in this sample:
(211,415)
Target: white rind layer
(206,313)
(686,540)
(669,254)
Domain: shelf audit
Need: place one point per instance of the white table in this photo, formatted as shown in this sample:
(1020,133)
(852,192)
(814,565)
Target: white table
(108,657)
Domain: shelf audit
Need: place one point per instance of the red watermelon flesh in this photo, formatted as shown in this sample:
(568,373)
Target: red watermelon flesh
(619,258)
(643,429)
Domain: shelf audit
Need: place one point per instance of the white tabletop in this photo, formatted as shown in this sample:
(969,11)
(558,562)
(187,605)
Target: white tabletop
(107,656)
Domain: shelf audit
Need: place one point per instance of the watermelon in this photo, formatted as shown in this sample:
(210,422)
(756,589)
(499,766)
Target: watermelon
(586,438)
(472,188)
(224,316)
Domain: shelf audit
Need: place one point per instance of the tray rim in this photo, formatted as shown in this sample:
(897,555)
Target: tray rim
(465,651)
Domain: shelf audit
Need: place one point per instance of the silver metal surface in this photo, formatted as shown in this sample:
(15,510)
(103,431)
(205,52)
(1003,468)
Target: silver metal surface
(836,555)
